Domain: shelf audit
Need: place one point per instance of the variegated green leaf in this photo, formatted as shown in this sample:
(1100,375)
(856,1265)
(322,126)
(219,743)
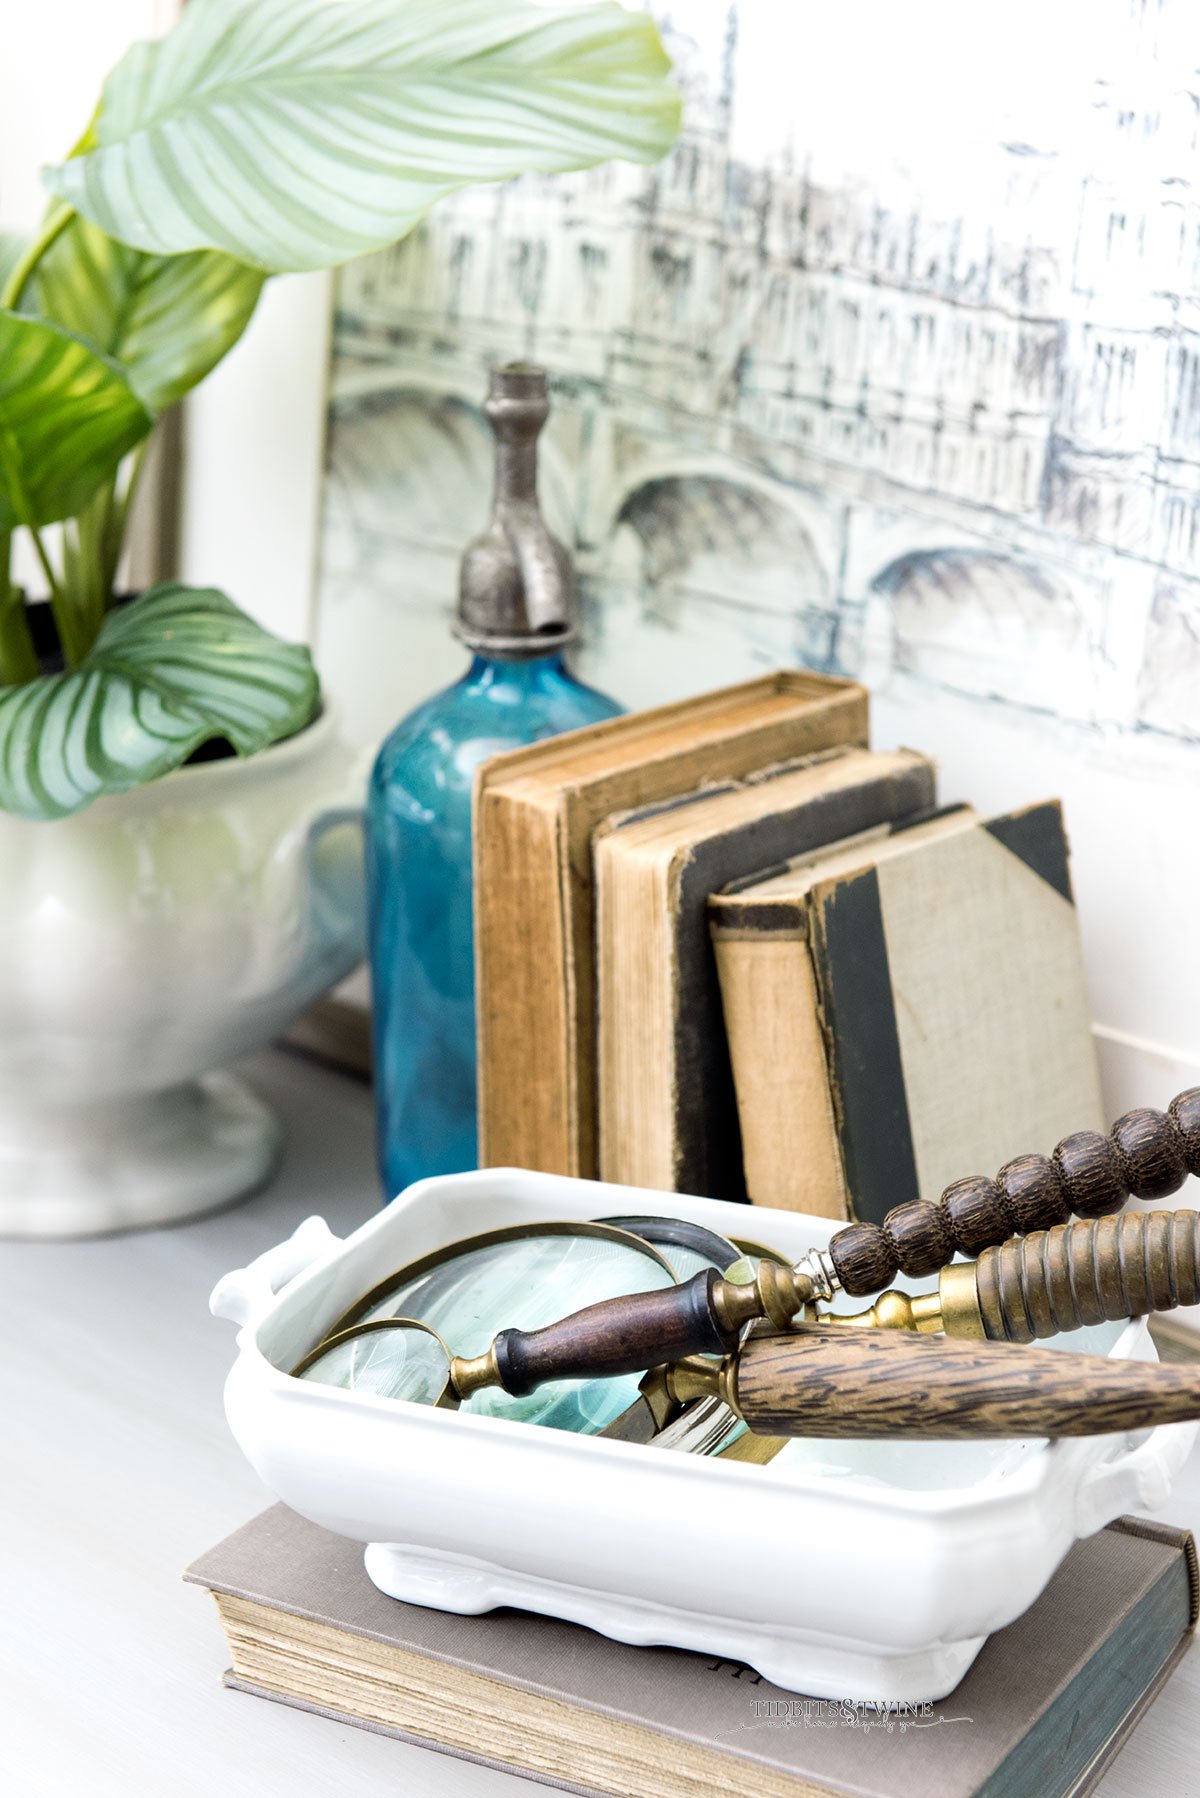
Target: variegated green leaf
(295,134)
(174,669)
(166,319)
(67,416)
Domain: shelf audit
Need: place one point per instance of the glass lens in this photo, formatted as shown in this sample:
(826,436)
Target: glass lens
(524,1283)
(403,1362)
(690,1248)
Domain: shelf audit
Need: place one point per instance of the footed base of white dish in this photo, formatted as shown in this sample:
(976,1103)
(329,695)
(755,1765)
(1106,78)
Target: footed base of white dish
(124,1164)
(816,1667)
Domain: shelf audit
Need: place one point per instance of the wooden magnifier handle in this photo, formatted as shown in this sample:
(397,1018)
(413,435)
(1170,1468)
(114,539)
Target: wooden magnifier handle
(614,1336)
(1066,1279)
(818,1382)
(1146,1155)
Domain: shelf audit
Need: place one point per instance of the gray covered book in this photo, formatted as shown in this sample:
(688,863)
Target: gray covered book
(905,1009)
(1044,1708)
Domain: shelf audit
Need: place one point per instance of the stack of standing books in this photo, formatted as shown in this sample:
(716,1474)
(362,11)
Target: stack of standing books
(723,948)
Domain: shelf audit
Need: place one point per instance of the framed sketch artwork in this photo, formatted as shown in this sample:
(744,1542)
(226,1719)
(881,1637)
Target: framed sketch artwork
(889,370)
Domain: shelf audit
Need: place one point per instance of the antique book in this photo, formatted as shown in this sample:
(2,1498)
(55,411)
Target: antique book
(535,811)
(668,1116)
(1043,1710)
(904,1010)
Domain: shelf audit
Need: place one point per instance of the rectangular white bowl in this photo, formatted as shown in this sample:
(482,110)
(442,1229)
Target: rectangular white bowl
(863,1570)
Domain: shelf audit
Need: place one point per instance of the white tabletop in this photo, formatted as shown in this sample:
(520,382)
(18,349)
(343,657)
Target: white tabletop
(118,1470)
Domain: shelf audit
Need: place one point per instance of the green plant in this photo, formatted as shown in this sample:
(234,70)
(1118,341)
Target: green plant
(259,136)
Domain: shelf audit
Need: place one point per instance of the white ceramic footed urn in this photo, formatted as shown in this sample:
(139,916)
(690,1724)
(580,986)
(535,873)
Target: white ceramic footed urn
(146,942)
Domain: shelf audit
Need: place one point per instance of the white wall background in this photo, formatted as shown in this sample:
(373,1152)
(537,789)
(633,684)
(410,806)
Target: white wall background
(56,53)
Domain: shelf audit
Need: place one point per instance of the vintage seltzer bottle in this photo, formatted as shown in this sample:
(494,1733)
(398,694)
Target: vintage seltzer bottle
(515,613)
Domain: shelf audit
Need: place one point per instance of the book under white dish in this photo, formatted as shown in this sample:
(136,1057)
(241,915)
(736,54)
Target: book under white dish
(858,1570)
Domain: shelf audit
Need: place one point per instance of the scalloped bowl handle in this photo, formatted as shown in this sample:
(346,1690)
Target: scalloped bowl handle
(247,1293)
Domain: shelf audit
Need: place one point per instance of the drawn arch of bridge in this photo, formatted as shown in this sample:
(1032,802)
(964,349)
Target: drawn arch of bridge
(985,623)
(683,511)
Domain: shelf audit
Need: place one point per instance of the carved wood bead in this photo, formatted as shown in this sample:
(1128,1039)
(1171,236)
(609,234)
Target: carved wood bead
(1184,1111)
(919,1235)
(864,1259)
(1154,1163)
(977,1214)
(1034,1191)
(1090,1165)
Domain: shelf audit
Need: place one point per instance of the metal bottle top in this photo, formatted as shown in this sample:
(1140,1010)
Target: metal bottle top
(515,582)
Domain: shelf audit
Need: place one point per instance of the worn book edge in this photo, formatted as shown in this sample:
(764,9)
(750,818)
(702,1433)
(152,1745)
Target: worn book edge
(634,729)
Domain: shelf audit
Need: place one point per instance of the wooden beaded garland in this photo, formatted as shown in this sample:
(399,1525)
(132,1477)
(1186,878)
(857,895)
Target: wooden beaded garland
(1147,1154)
(863,1259)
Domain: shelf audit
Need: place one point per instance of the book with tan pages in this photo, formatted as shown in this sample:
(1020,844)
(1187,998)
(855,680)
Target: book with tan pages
(1043,1710)
(668,1115)
(534,814)
(905,1009)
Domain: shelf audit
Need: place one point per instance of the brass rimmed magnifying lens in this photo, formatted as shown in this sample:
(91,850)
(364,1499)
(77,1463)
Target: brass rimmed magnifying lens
(399,1358)
(527,1275)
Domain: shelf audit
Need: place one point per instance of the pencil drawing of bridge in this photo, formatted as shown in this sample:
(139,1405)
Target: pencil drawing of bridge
(796,419)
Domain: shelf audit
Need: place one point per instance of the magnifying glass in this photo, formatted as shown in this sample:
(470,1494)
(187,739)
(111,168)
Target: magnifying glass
(527,1276)
(463,1295)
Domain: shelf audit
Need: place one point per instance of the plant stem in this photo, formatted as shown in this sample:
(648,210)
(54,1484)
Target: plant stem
(18,658)
(89,566)
(58,217)
(71,640)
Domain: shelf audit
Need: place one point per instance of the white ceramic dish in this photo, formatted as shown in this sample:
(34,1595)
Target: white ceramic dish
(866,1570)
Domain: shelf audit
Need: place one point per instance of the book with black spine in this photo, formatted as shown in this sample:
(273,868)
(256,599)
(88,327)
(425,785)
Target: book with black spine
(904,1009)
(668,1114)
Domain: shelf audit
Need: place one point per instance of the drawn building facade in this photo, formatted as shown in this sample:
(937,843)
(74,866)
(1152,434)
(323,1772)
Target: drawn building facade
(798,418)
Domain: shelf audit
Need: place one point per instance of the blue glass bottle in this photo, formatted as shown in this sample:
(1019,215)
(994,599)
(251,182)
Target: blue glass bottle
(514,612)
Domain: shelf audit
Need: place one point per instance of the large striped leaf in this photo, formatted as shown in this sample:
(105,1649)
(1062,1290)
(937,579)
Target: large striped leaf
(169,672)
(67,416)
(295,134)
(166,319)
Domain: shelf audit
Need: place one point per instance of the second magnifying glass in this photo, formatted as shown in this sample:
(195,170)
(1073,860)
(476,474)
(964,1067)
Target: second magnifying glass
(396,1358)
